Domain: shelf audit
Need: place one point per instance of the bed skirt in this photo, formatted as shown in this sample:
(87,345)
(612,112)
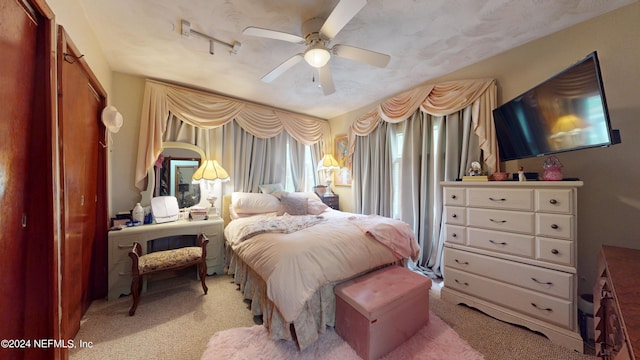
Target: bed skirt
(318,313)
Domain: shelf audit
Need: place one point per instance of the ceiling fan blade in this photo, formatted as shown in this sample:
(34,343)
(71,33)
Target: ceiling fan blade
(272,34)
(361,55)
(340,16)
(326,80)
(280,69)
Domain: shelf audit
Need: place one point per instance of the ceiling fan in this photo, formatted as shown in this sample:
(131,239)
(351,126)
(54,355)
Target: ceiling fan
(318,33)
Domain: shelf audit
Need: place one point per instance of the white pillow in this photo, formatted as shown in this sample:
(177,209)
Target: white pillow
(233,215)
(254,203)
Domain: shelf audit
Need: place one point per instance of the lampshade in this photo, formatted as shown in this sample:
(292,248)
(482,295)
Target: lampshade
(210,170)
(328,162)
(317,56)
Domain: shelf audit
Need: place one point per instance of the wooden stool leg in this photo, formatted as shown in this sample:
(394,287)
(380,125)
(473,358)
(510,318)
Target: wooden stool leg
(136,288)
(202,269)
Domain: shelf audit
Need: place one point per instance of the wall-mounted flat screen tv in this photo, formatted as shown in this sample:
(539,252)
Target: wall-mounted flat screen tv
(564,113)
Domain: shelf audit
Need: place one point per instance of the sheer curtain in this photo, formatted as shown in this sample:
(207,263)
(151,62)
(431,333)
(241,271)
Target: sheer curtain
(250,160)
(179,131)
(439,130)
(439,148)
(432,149)
(257,161)
(372,179)
(209,111)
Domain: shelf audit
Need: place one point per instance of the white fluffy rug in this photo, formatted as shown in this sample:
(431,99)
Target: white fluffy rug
(435,341)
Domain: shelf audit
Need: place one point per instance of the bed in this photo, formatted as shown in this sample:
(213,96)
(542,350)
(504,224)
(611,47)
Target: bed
(287,252)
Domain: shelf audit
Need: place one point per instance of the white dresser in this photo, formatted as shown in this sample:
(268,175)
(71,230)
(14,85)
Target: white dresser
(121,242)
(511,252)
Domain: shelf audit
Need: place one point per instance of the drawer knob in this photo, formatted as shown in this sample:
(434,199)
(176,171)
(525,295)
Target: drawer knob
(555,226)
(494,199)
(498,221)
(462,283)
(541,308)
(454,197)
(454,235)
(542,282)
(555,251)
(454,216)
(462,262)
(497,243)
(553,201)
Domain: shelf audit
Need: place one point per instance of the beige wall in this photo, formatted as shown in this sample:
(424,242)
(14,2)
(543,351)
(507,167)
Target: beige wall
(127,97)
(70,15)
(609,201)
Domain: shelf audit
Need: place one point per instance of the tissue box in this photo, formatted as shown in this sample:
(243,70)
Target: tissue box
(165,209)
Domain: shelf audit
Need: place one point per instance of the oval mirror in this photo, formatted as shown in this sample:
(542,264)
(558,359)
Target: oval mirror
(172,174)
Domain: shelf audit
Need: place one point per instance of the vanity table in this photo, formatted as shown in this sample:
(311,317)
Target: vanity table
(121,242)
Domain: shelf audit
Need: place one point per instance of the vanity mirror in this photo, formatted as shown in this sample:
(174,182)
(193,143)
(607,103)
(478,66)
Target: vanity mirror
(172,174)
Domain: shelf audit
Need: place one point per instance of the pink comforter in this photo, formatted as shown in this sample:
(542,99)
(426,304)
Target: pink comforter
(295,265)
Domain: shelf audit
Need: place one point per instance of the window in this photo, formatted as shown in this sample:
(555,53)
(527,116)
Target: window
(397,143)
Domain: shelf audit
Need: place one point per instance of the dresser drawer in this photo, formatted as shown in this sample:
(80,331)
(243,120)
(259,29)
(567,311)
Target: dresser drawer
(554,201)
(506,243)
(513,221)
(455,234)
(455,215)
(554,250)
(119,248)
(508,199)
(454,196)
(555,225)
(119,280)
(551,282)
(550,309)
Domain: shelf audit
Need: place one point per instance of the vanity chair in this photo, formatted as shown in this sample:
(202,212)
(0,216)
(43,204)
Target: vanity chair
(174,259)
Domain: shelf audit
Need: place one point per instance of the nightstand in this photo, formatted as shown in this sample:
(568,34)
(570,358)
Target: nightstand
(332,201)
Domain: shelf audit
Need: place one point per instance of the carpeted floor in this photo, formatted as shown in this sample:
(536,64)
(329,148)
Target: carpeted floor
(435,341)
(175,320)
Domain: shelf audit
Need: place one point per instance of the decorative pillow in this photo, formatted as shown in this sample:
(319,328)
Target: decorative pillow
(254,203)
(316,207)
(307,194)
(294,205)
(274,189)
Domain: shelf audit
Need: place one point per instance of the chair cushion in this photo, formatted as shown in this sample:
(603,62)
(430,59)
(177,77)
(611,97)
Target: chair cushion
(168,258)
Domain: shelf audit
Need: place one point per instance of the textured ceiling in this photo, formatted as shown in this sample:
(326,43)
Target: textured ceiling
(425,39)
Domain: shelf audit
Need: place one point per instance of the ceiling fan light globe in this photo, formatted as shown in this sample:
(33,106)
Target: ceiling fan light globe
(317,56)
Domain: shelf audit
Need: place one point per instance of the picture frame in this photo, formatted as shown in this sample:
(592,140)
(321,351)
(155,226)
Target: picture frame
(342,177)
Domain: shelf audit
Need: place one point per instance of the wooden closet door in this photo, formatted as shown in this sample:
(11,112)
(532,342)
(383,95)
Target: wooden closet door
(28,245)
(18,36)
(79,108)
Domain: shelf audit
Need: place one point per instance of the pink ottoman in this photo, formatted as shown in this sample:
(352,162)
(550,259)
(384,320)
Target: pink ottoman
(379,311)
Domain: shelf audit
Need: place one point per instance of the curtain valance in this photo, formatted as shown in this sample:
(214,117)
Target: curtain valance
(440,100)
(208,111)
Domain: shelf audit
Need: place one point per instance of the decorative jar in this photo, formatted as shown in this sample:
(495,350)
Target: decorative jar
(552,169)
